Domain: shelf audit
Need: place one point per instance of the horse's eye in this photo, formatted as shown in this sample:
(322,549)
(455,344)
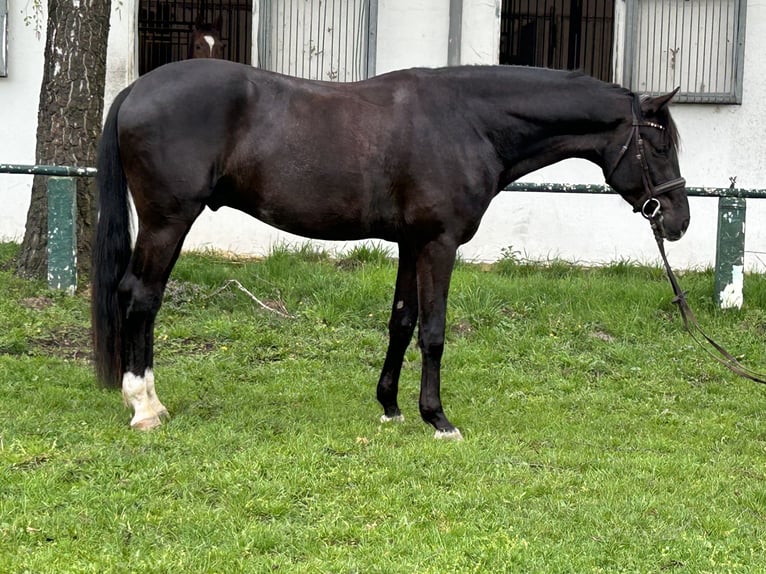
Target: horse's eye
(662,150)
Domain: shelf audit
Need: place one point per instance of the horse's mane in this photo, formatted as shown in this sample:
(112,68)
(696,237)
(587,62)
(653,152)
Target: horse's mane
(583,77)
(663,116)
(579,77)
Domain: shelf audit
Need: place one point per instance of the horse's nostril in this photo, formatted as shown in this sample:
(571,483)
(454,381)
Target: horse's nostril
(685,224)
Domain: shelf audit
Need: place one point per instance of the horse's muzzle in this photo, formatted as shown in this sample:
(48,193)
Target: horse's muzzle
(649,206)
(651,209)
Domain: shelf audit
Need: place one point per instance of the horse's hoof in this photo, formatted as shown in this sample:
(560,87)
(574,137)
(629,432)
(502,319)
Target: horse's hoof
(146,424)
(453,434)
(394,419)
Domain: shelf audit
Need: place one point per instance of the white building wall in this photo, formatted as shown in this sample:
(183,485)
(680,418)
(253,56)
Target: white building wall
(18,117)
(412,33)
(122,53)
(718,142)
(480,32)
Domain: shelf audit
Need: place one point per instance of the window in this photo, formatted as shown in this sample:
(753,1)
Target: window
(164,27)
(330,40)
(695,44)
(561,34)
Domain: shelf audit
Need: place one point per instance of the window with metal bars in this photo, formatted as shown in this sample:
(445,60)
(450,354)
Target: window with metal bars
(318,39)
(561,34)
(695,44)
(164,27)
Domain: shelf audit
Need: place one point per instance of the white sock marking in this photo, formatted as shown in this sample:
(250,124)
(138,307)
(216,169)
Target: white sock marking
(448,435)
(136,395)
(154,400)
(387,419)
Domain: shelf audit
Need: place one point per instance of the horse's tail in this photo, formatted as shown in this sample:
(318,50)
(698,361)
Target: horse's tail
(111,252)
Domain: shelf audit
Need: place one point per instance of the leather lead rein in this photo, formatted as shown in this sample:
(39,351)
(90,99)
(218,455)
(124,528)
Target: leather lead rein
(693,327)
(649,207)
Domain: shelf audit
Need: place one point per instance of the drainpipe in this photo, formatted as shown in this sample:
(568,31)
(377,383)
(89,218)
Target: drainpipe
(455,32)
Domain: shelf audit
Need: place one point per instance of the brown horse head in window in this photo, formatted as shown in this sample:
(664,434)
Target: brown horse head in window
(205,40)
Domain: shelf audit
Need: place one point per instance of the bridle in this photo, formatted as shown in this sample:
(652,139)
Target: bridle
(648,205)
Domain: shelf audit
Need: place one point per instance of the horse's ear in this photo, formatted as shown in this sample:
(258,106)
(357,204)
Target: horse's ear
(653,104)
(198,21)
(217,23)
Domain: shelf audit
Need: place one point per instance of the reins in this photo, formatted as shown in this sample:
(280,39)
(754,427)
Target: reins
(693,327)
(649,206)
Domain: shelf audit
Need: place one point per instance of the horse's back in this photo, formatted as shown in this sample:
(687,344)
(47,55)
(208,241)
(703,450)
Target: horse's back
(267,144)
(320,159)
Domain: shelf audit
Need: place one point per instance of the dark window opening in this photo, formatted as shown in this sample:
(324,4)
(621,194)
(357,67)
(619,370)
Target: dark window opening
(561,34)
(164,28)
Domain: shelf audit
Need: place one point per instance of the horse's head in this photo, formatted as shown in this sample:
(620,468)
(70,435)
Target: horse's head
(643,166)
(205,40)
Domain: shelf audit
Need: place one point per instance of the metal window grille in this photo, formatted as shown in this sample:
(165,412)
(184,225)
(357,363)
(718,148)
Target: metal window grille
(318,39)
(561,34)
(695,44)
(164,28)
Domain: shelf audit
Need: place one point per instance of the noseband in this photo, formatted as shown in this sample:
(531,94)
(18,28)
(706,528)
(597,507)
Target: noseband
(648,205)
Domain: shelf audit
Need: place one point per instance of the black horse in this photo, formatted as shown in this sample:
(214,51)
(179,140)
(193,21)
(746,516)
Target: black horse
(413,157)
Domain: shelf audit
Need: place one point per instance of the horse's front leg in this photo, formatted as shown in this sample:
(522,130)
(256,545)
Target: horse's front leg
(434,271)
(401,326)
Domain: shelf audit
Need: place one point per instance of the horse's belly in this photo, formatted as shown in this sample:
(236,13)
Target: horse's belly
(317,216)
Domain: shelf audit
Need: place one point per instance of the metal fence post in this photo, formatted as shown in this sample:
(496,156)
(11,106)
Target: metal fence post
(730,252)
(62,234)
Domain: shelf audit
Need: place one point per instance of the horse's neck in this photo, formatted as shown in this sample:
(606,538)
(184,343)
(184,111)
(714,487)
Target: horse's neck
(533,125)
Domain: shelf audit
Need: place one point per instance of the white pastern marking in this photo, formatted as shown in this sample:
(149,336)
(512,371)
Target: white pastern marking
(387,419)
(210,42)
(154,400)
(136,396)
(454,434)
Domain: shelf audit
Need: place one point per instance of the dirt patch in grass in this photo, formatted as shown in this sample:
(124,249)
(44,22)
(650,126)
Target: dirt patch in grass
(36,302)
(187,346)
(73,343)
(462,328)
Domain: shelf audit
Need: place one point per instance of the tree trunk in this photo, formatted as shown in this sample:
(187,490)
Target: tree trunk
(69,121)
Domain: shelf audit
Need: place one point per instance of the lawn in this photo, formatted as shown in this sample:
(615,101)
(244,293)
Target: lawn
(598,437)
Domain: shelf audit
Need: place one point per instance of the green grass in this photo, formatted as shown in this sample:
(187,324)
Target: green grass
(598,438)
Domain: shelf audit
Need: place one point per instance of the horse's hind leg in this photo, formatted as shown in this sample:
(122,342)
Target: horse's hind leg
(141,290)
(404,316)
